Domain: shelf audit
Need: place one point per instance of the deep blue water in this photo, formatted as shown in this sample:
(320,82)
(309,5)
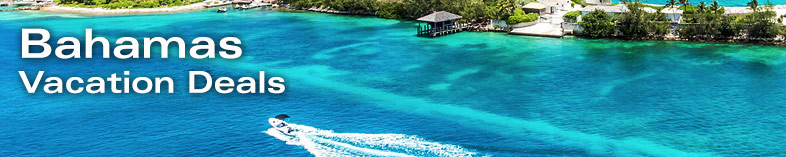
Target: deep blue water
(482,93)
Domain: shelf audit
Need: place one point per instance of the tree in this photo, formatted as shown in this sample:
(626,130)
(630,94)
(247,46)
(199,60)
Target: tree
(761,23)
(390,10)
(633,23)
(98,2)
(684,2)
(597,24)
(505,8)
(571,16)
(754,4)
(728,26)
(671,3)
(636,22)
(520,16)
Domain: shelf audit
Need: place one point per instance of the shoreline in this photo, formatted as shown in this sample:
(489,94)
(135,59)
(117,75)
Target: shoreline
(103,11)
(779,9)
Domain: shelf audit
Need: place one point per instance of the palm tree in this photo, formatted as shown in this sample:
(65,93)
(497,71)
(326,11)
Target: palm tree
(715,5)
(671,3)
(684,2)
(702,7)
(505,7)
(754,4)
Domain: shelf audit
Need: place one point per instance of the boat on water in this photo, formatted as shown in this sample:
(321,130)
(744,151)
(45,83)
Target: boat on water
(280,124)
(221,10)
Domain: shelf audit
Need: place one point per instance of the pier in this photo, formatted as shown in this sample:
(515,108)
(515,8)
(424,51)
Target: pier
(427,30)
(440,23)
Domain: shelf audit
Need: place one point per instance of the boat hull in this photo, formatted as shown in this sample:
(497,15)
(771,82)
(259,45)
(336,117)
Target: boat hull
(281,126)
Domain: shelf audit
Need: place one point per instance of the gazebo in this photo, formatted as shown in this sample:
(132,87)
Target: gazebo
(439,23)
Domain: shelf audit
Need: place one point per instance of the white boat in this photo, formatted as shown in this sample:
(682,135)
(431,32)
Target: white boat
(280,124)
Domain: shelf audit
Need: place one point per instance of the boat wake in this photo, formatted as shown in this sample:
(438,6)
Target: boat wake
(327,143)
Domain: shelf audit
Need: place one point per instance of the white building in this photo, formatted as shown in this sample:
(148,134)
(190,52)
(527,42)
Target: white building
(611,10)
(552,6)
(673,14)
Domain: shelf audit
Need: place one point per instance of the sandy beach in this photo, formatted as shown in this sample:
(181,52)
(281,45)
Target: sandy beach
(103,11)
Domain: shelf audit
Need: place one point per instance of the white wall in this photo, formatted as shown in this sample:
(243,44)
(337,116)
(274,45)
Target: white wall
(674,17)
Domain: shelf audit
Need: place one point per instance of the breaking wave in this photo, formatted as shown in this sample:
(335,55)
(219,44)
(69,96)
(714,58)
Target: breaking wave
(327,143)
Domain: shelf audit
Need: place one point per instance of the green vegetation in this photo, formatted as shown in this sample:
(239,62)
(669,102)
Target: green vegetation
(519,16)
(597,24)
(654,7)
(471,10)
(671,3)
(761,23)
(707,21)
(571,16)
(711,22)
(637,23)
(118,4)
(579,2)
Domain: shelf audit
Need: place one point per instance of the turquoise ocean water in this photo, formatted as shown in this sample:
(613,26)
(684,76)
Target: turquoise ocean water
(369,86)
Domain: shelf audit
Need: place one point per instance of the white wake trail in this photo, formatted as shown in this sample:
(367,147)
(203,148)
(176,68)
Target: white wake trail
(327,143)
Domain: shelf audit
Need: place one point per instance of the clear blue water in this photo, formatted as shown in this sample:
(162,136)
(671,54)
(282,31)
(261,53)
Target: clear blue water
(721,2)
(373,88)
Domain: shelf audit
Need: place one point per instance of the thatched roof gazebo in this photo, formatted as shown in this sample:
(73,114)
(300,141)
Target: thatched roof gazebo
(439,16)
(439,23)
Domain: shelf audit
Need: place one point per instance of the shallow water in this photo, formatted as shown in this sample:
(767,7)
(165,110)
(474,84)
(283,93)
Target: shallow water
(485,93)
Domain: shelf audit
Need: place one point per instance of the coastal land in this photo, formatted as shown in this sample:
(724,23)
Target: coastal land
(756,23)
(105,11)
(492,94)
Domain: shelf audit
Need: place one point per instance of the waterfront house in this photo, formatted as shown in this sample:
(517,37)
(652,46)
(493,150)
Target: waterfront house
(439,23)
(648,10)
(552,6)
(534,7)
(611,10)
(673,14)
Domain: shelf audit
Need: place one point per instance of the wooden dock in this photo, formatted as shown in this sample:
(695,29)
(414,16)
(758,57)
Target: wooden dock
(440,23)
(440,31)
